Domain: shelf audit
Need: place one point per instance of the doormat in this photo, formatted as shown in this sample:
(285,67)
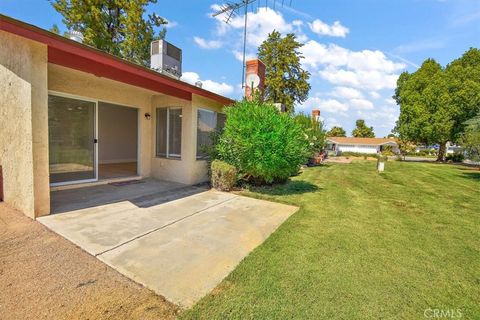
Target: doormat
(125,183)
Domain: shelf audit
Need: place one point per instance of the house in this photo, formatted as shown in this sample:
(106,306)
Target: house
(71,114)
(360,145)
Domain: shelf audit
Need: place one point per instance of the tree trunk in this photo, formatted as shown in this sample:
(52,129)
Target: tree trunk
(441,151)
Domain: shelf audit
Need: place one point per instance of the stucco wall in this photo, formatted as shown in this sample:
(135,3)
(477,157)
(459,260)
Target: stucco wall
(358,148)
(24,124)
(188,169)
(69,81)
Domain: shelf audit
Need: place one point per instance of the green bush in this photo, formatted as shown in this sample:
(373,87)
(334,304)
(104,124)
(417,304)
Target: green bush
(455,157)
(313,129)
(224,175)
(264,145)
(388,151)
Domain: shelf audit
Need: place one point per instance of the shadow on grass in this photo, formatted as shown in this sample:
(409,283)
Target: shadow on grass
(288,188)
(470,174)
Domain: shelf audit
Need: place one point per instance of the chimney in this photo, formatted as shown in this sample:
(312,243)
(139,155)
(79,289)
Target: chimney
(254,67)
(316,114)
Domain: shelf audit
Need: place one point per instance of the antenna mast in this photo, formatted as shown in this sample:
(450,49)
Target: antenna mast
(231,9)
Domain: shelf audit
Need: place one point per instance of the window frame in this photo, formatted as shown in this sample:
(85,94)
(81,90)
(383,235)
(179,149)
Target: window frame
(168,155)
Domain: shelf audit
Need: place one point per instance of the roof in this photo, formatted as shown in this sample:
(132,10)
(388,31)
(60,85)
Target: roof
(74,55)
(363,141)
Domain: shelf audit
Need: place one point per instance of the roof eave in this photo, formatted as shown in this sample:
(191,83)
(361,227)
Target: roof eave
(71,54)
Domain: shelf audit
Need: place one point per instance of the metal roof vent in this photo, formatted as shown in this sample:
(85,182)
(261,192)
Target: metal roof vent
(75,36)
(166,58)
(198,84)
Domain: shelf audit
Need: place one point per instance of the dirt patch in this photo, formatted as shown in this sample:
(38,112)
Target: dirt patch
(338,160)
(44,276)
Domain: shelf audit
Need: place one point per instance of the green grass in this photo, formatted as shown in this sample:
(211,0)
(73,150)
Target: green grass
(363,246)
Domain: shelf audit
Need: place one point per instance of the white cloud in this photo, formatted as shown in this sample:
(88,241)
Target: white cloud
(346,93)
(239,55)
(207,44)
(374,95)
(210,85)
(260,24)
(171,24)
(325,105)
(317,54)
(361,104)
(369,80)
(335,30)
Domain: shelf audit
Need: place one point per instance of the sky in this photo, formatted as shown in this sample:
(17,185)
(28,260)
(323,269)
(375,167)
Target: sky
(354,49)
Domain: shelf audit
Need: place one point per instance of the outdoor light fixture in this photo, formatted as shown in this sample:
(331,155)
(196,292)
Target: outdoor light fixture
(147,116)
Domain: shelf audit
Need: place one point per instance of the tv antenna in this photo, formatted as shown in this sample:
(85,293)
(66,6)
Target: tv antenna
(232,9)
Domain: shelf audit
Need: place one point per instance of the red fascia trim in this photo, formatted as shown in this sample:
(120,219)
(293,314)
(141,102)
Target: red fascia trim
(99,69)
(68,53)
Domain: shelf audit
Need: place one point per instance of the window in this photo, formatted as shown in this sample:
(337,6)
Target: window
(207,122)
(169,132)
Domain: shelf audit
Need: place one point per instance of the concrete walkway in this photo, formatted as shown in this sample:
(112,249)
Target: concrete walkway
(181,249)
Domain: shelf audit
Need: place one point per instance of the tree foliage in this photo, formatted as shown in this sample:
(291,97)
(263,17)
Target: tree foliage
(470,140)
(435,102)
(114,26)
(362,131)
(285,80)
(263,144)
(336,132)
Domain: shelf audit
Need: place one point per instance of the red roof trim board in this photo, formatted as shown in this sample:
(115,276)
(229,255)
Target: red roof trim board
(74,55)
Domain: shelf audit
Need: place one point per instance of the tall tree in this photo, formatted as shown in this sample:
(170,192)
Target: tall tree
(435,102)
(362,131)
(114,26)
(285,80)
(336,132)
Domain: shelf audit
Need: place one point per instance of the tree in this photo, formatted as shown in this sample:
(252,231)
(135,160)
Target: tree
(362,131)
(336,132)
(285,80)
(436,102)
(406,147)
(54,29)
(470,139)
(114,26)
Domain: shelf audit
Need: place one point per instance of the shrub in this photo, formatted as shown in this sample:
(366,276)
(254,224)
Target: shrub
(263,144)
(224,175)
(388,151)
(455,157)
(313,129)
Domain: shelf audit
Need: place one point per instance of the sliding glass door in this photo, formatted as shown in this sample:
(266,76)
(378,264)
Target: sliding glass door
(72,139)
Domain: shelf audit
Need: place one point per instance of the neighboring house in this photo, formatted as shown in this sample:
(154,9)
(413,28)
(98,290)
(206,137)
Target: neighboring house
(72,114)
(360,145)
(453,148)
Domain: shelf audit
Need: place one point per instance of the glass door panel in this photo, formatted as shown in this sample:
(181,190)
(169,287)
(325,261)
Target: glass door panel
(71,131)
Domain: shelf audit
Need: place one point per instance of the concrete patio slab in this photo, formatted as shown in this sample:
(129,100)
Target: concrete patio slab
(104,227)
(186,260)
(180,249)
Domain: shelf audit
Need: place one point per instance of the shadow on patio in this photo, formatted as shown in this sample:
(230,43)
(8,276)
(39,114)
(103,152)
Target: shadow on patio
(142,193)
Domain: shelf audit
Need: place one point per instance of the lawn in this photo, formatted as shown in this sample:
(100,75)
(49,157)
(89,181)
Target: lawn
(364,245)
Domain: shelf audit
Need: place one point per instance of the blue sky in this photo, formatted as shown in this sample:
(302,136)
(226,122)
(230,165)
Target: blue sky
(354,49)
